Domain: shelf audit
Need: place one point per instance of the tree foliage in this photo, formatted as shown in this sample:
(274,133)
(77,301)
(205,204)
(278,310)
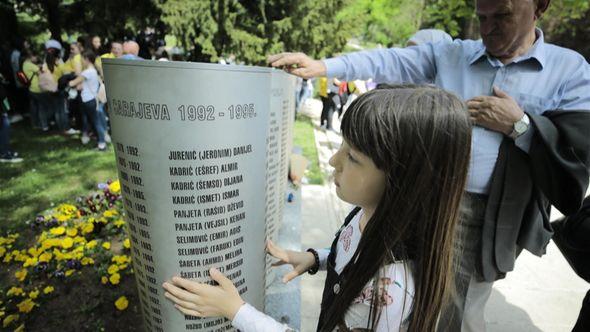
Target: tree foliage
(451,16)
(106,18)
(384,22)
(250,30)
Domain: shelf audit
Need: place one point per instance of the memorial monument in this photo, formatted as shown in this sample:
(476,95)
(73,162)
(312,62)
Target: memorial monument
(202,154)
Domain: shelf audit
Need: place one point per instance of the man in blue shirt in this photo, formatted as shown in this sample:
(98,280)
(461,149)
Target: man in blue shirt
(509,80)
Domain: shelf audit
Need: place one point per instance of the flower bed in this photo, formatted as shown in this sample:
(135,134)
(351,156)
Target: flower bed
(71,270)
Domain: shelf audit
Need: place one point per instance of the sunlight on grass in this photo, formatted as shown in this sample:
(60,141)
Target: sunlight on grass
(56,169)
(304,138)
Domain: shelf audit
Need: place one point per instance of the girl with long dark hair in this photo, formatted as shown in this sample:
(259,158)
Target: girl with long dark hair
(403,163)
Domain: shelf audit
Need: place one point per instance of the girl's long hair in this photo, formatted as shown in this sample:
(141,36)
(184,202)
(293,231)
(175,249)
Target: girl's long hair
(420,137)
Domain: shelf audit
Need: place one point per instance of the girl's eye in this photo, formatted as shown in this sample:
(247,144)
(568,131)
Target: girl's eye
(351,158)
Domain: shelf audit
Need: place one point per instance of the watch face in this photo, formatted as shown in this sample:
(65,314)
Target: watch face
(520,127)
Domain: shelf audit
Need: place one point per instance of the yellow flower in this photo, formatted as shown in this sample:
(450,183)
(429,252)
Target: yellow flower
(121,303)
(2,313)
(72,232)
(15,291)
(7,259)
(2,251)
(91,244)
(106,245)
(69,272)
(48,289)
(9,319)
(45,257)
(50,243)
(57,230)
(21,328)
(104,280)
(67,208)
(32,261)
(88,228)
(110,213)
(115,278)
(21,274)
(62,217)
(119,222)
(34,251)
(67,243)
(127,243)
(26,306)
(120,259)
(113,269)
(87,261)
(79,239)
(115,187)
(34,294)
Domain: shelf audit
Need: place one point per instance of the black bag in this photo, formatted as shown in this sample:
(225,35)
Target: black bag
(572,236)
(62,82)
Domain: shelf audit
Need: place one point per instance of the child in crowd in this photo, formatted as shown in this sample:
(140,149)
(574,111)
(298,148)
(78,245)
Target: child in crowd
(403,162)
(90,113)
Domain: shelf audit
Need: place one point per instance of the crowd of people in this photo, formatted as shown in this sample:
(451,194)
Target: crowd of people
(59,88)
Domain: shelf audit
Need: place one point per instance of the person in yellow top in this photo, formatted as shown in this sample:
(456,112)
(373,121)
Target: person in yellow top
(74,62)
(323,89)
(74,65)
(56,100)
(31,70)
(116,52)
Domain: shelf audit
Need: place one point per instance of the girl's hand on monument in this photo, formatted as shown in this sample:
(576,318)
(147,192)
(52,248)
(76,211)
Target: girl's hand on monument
(298,64)
(301,261)
(203,300)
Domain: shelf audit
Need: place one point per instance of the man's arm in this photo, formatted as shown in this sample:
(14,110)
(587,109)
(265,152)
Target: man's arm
(396,65)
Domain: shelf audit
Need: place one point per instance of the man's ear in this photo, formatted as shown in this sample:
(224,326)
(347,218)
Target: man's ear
(542,6)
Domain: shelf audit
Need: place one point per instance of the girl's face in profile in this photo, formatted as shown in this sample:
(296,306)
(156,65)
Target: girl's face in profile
(358,181)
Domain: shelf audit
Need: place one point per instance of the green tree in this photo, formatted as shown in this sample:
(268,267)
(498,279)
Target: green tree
(250,30)
(106,18)
(384,22)
(456,17)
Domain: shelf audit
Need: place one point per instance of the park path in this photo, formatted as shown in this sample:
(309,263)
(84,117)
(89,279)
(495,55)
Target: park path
(541,294)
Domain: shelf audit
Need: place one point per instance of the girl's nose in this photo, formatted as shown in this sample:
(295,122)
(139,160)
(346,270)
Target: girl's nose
(334,160)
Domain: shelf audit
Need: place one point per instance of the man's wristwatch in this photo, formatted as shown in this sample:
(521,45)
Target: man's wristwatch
(520,127)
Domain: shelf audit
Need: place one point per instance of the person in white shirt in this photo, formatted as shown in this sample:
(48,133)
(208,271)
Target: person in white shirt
(403,162)
(90,113)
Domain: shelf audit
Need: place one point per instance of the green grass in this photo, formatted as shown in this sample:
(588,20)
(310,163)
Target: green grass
(304,137)
(55,169)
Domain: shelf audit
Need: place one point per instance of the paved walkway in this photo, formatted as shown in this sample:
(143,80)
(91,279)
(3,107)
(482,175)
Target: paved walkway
(541,294)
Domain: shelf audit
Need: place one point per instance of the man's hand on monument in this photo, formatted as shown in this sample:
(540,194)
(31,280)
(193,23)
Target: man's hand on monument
(301,261)
(298,64)
(203,300)
(498,112)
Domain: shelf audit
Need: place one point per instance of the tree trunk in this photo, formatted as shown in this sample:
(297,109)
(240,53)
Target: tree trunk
(8,23)
(53,18)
